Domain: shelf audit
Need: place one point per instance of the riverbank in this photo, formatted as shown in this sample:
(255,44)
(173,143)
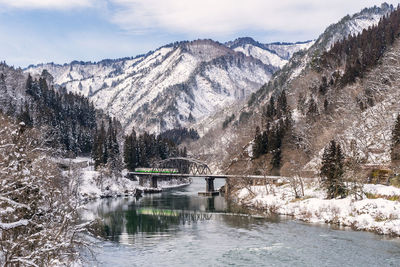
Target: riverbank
(139,234)
(378,211)
(90,184)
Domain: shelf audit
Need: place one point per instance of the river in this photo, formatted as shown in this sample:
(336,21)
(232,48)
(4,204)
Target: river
(179,228)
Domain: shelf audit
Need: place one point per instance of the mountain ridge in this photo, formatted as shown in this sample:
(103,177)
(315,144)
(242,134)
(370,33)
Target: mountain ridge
(202,75)
(242,120)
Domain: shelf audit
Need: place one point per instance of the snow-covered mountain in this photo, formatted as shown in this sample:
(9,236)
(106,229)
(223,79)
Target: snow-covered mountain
(348,25)
(297,77)
(170,87)
(276,54)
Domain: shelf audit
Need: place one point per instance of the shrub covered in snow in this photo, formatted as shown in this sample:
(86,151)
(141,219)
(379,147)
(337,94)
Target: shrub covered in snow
(37,217)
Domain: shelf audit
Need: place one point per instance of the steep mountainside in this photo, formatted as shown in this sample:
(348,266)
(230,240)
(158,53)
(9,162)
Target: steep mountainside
(349,25)
(170,87)
(276,54)
(66,120)
(301,78)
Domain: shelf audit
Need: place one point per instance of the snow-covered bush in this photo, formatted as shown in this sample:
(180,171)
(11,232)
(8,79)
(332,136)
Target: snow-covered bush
(37,217)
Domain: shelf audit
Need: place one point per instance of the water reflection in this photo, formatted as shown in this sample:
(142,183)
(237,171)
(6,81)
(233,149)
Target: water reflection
(149,221)
(179,228)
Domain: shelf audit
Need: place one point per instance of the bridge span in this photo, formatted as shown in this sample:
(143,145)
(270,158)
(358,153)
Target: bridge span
(186,167)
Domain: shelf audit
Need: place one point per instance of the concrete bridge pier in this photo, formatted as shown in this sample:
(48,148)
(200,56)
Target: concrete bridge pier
(153,182)
(210,190)
(209,184)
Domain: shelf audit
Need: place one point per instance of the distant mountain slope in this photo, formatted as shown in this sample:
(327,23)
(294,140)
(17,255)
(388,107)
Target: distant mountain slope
(170,87)
(67,121)
(301,78)
(276,54)
(349,25)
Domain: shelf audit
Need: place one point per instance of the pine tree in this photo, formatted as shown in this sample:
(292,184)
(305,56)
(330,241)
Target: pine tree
(257,145)
(112,147)
(190,117)
(276,145)
(312,109)
(271,112)
(324,85)
(326,105)
(395,146)
(282,106)
(3,92)
(24,116)
(29,83)
(332,171)
(184,152)
(99,152)
(130,151)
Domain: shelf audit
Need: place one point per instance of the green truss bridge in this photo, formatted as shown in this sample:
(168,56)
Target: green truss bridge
(187,167)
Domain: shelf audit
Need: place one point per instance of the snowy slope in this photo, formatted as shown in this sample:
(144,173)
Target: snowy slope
(161,89)
(287,50)
(264,55)
(276,54)
(289,78)
(351,25)
(347,25)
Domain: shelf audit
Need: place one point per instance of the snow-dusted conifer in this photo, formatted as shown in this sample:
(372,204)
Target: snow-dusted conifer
(332,171)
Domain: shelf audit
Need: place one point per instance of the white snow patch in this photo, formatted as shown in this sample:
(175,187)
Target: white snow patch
(7,226)
(378,215)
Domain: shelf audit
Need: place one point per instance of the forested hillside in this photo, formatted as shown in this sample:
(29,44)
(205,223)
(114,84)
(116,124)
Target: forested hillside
(67,120)
(326,95)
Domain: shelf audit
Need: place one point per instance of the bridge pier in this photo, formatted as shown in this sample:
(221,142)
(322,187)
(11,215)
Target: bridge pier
(153,182)
(210,191)
(209,184)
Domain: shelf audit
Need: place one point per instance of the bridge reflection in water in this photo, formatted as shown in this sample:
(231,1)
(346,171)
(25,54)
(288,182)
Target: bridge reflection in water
(157,216)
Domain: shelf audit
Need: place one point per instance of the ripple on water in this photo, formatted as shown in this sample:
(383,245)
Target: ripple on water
(168,238)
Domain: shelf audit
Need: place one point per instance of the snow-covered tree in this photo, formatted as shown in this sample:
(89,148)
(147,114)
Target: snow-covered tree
(395,153)
(37,218)
(332,171)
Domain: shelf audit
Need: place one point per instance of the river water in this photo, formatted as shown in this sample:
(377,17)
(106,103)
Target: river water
(179,228)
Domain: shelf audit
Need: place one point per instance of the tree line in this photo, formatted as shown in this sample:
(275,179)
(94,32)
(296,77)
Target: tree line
(67,120)
(139,150)
(276,123)
(142,150)
(359,53)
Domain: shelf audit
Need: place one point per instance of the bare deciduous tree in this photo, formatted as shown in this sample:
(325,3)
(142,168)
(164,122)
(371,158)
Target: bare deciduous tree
(38,216)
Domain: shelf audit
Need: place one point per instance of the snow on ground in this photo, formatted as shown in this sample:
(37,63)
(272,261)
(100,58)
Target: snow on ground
(379,215)
(382,190)
(91,184)
(94,184)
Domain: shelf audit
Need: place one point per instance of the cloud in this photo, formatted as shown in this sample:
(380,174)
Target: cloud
(46,4)
(227,17)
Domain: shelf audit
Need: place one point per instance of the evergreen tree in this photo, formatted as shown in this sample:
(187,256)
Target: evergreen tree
(257,145)
(29,83)
(276,145)
(113,159)
(312,109)
(3,92)
(99,153)
(130,151)
(184,152)
(332,171)
(190,117)
(282,106)
(270,112)
(326,105)
(395,146)
(24,116)
(324,85)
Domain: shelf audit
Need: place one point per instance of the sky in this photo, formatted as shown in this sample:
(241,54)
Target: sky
(41,31)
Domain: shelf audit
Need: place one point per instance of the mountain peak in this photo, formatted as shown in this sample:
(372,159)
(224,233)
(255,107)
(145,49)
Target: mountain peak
(241,41)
